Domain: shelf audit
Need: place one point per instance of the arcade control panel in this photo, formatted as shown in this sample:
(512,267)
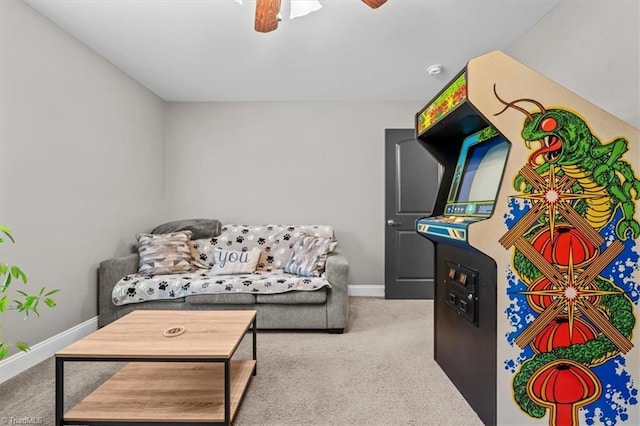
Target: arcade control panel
(461,291)
(477,209)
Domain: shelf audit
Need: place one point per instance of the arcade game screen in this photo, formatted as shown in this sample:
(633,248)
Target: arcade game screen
(478,174)
(483,171)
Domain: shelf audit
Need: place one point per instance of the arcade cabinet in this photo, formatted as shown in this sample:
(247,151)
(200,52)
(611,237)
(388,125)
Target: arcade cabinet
(535,229)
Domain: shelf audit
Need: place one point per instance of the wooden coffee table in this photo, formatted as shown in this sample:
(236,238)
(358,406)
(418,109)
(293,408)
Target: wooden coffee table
(172,376)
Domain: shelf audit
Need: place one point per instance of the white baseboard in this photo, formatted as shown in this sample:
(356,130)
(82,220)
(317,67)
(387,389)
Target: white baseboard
(16,364)
(366,290)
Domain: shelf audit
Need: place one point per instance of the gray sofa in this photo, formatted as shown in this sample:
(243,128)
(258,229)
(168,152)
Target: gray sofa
(323,309)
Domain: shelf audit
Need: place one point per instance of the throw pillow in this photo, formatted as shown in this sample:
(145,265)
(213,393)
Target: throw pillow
(202,252)
(200,228)
(278,250)
(164,253)
(227,262)
(309,256)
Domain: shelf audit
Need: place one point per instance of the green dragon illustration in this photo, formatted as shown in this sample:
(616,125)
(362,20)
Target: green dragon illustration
(567,142)
(605,182)
(620,310)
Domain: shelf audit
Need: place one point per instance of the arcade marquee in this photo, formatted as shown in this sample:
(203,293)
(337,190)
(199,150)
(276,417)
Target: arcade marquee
(535,228)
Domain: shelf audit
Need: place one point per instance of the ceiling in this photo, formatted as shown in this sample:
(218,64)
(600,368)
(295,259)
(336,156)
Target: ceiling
(207,50)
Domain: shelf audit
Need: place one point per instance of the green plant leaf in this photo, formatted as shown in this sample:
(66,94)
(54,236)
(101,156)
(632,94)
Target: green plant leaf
(3,303)
(7,282)
(22,346)
(3,351)
(3,268)
(52,292)
(18,274)
(6,231)
(50,302)
(28,302)
(22,293)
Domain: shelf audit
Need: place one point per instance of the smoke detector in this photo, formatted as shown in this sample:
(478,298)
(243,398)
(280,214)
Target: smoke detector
(434,69)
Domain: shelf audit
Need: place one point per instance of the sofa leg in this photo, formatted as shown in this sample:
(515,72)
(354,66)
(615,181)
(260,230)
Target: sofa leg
(336,330)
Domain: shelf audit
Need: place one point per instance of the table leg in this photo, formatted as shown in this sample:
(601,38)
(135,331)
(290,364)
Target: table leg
(227,393)
(59,391)
(255,367)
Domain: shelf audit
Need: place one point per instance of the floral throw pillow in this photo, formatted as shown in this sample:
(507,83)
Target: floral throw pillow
(309,256)
(162,254)
(227,262)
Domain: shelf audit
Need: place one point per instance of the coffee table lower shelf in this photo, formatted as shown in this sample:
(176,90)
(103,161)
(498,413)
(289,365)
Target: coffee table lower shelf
(164,392)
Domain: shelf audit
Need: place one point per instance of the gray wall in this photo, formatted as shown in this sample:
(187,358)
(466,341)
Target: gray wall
(81,165)
(299,163)
(591,48)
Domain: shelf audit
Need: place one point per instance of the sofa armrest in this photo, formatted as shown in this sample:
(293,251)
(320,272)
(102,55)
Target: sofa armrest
(337,273)
(109,273)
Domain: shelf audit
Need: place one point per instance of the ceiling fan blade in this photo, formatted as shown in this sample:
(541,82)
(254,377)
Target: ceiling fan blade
(267,15)
(374,4)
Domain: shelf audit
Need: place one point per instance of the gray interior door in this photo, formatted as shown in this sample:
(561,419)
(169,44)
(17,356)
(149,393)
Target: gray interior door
(412,178)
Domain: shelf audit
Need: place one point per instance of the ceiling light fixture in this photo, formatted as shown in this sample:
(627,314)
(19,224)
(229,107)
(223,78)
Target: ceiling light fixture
(303,7)
(268,11)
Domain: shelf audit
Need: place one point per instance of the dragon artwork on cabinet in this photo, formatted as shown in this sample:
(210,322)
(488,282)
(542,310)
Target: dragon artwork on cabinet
(572,232)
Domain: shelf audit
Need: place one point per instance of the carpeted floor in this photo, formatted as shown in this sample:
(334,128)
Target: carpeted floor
(380,372)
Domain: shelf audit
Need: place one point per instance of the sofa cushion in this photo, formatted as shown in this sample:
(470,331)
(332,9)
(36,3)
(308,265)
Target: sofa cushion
(309,256)
(294,297)
(164,253)
(200,228)
(222,299)
(137,288)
